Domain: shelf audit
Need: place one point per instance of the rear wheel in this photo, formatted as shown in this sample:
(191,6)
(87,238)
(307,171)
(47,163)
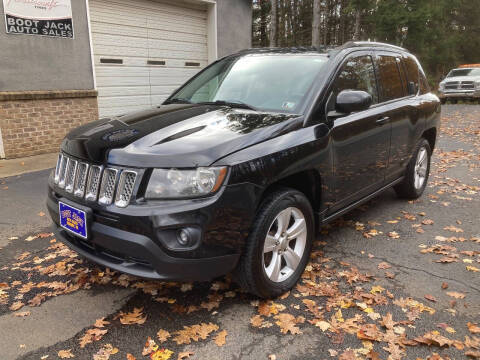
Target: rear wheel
(279,245)
(418,170)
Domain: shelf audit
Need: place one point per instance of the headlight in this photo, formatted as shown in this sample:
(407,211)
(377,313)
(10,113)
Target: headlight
(477,84)
(442,86)
(173,183)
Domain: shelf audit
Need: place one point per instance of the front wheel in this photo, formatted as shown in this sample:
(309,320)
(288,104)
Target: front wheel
(416,175)
(279,245)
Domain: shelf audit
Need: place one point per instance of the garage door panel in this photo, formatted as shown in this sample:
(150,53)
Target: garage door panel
(115,111)
(171,7)
(126,71)
(125,90)
(122,81)
(119,101)
(137,32)
(142,32)
(119,51)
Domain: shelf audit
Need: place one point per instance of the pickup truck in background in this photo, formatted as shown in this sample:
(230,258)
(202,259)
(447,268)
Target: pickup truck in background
(462,83)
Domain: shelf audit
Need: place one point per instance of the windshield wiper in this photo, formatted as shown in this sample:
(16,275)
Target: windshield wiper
(178,101)
(232,104)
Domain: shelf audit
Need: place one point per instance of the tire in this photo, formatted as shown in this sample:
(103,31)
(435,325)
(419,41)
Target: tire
(409,188)
(251,272)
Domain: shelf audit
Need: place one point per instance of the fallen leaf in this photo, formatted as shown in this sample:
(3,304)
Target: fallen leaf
(473,328)
(323,325)
(65,354)
(100,323)
(163,335)
(162,354)
(22,314)
(393,235)
(430,297)
(131,357)
(384,265)
(184,355)
(149,347)
(220,339)
(473,268)
(91,335)
(194,333)
(134,317)
(453,229)
(286,323)
(444,285)
(456,295)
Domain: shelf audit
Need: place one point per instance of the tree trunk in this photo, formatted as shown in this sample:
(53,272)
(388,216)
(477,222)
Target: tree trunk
(317,13)
(273,24)
(358,19)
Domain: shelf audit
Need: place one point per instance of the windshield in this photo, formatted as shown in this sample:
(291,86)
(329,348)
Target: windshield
(275,82)
(464,72)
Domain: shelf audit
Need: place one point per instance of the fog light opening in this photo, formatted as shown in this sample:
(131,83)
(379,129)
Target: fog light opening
(183,237)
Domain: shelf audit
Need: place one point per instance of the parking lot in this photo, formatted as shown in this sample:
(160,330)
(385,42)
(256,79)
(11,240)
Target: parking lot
(393,279)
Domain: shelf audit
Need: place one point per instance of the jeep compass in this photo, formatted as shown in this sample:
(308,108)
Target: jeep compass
(237,169)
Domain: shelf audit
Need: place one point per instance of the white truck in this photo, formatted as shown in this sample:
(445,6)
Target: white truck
(462,83)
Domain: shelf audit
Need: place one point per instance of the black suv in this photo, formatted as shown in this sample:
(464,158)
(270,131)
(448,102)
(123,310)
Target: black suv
(238,168)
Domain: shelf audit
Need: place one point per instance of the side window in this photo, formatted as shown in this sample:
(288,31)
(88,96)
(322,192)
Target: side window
(357,74)
(390,80)
(424,87)
(412,71)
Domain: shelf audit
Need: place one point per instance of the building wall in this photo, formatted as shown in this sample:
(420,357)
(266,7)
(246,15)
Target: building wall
(234,23)
(35,123)
(32,62)
(46,87)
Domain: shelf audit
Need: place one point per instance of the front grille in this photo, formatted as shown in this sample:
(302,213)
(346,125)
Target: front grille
(457,85)
(94,182)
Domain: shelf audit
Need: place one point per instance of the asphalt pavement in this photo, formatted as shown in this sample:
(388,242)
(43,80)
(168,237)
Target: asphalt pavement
(415,262)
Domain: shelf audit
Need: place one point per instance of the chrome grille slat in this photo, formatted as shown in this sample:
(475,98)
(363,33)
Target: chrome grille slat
(94,176)
(63,170)
(81,180)
(57,168)
(125,188)
(107,188)
(70,175)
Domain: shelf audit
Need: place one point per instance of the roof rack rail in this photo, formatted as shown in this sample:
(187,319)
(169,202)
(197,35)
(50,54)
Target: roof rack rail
(351,44)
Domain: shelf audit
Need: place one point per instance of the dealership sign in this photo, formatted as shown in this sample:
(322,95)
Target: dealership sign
(39,17)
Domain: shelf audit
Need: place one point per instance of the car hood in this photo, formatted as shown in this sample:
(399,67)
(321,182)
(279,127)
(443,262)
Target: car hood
(177,135)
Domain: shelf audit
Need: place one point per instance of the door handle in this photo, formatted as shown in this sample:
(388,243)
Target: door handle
(382,121)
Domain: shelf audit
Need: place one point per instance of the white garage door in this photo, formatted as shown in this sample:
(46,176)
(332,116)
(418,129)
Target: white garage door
(144,49)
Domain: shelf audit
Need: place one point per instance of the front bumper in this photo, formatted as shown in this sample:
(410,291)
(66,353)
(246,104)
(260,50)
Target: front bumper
(132,240)
(459,94)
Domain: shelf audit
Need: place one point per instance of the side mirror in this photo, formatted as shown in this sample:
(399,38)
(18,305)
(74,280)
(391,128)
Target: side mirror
(412,88)
(349,101)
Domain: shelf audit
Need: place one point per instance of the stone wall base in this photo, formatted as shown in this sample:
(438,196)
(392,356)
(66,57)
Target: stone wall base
(34,123)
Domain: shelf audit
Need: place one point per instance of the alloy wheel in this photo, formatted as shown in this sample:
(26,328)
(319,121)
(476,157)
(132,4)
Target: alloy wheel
(421,167)
(284,244)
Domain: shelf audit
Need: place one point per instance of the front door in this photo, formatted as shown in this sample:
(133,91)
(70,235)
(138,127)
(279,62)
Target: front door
(361,141)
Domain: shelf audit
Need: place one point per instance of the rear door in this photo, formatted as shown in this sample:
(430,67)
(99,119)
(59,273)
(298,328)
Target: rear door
(401,108)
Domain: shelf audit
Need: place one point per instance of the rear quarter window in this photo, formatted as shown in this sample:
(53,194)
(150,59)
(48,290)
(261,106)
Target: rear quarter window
(413,72)
(390,79)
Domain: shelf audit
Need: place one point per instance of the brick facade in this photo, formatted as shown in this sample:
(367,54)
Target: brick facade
(35,123)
